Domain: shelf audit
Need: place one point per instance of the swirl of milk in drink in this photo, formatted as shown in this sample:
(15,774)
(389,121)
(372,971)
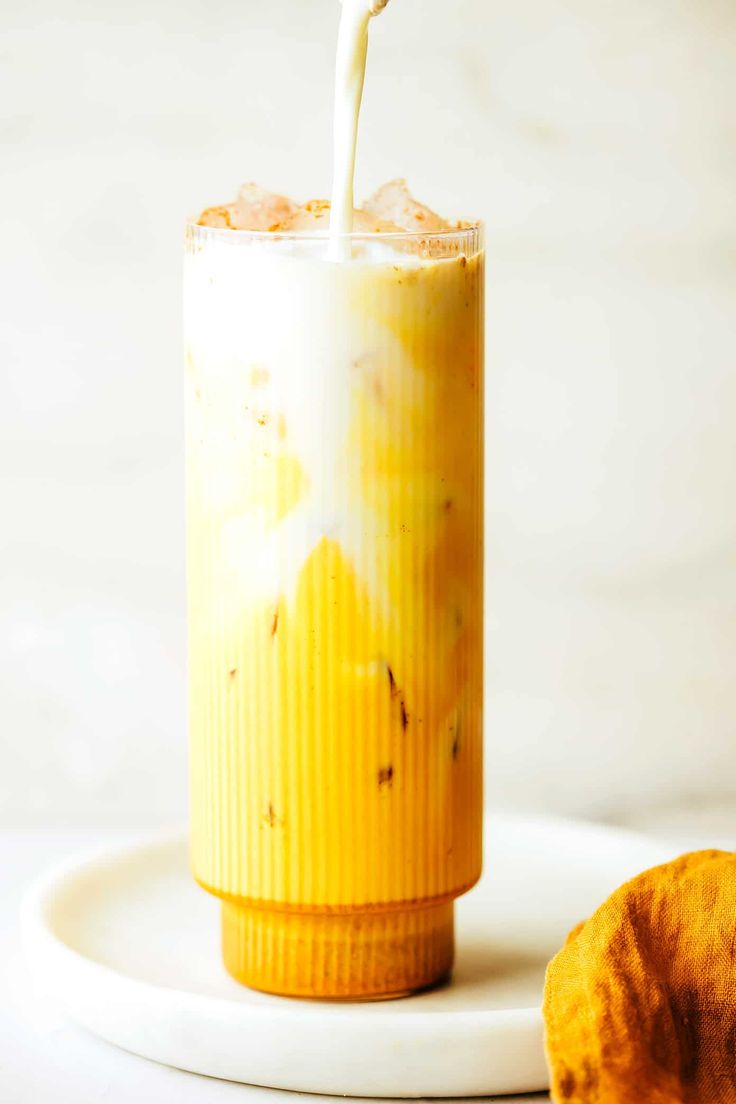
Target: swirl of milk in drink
(352,50)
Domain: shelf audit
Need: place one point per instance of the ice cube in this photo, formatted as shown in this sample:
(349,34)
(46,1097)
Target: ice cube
(366,223)
(311,217)
(254,209)
(395,203)
(220,217)
(258,209)
(314,217)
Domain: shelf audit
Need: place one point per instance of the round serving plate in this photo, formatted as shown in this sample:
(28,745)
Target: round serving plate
(129,946)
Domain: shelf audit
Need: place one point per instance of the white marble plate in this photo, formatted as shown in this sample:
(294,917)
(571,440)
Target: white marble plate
(130,946)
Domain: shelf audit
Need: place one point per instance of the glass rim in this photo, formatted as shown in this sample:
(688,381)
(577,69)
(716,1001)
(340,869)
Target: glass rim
(467,231)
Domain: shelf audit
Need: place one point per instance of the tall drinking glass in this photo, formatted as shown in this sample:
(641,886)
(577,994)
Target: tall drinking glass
(335,577)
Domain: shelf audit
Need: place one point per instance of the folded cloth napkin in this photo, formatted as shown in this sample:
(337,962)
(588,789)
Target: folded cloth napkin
(640,1003)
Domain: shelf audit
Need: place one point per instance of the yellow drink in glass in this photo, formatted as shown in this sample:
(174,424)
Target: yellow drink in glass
(335,574)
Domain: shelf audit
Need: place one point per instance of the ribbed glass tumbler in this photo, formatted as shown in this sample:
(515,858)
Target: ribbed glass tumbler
(335,581)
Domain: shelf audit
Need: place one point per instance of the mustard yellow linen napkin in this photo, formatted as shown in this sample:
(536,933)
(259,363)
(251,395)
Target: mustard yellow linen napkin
(640,1003)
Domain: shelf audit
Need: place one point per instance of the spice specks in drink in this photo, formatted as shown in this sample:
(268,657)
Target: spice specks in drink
(385,776)
(270,817)
(275,623)
(393,687)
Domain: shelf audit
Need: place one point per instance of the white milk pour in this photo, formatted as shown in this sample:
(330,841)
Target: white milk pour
(352,49)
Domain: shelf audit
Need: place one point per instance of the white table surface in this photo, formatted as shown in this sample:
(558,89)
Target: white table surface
(45,1059)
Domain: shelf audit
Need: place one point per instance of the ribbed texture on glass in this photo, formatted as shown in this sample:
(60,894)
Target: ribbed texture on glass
(338,956)
(335,498)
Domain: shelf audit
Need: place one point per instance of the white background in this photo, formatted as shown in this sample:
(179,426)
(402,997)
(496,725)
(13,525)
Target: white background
(597,139)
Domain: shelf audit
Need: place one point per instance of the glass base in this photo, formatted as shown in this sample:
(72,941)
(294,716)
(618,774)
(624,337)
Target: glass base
(338,956)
